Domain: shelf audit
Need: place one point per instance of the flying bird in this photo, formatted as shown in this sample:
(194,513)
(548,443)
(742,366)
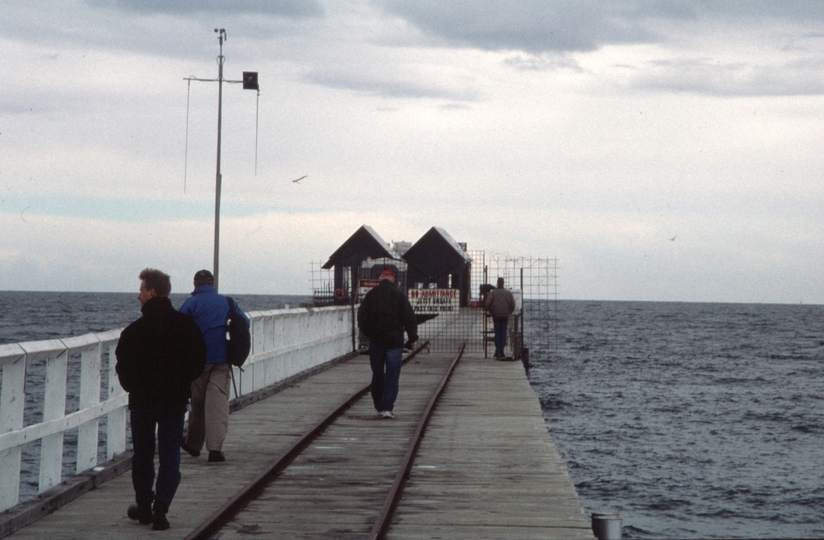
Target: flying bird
(297,181)
(673,238)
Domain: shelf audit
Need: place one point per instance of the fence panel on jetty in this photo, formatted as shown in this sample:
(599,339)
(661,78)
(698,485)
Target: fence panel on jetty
(42,380)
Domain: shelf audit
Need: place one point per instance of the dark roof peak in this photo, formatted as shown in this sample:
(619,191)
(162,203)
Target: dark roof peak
(437,235)
(364,244)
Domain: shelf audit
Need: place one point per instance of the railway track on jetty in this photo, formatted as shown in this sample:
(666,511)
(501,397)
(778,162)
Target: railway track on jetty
(344,476)
(487,467)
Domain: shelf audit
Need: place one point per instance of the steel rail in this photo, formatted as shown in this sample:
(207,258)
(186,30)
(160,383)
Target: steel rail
(390,504)
(232,507)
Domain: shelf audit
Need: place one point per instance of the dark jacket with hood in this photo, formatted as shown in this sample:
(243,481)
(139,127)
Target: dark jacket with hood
(384,314)
(158,357)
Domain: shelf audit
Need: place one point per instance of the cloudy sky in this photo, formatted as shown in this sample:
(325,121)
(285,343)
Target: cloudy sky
(660,150)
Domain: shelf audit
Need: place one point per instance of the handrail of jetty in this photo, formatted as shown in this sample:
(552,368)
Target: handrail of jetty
(285,342)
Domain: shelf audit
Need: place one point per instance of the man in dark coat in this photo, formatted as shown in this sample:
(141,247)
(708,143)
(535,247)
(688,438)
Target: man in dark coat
(501,304)
(158,357)
(384,314)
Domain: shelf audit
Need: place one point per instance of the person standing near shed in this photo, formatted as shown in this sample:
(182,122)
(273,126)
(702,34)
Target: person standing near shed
(209,416)
(158,357)
(383,316)
(501,304)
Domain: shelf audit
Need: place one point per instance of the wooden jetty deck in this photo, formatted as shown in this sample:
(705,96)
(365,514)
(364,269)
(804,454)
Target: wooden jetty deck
(487,468)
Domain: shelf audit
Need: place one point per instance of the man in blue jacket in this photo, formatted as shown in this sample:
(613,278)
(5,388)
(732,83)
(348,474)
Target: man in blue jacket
(384,314)
(209,415)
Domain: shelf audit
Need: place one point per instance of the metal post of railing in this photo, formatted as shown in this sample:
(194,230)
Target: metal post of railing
(523,321)
(606,526)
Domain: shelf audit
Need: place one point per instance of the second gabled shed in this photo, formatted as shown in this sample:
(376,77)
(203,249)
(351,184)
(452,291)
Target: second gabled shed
(437,260)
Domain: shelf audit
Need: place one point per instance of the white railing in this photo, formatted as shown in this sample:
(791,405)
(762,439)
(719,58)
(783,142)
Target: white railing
(285,342)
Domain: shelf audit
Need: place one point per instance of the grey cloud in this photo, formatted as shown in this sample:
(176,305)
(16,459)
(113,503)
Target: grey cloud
(543,63)
(533,26)
(388,87)
(544,35)
(171,29)
(14,107)
(540,26)
(283,8)
(707,76)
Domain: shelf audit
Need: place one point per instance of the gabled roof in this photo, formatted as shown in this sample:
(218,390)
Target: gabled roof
(364,244)
(455,245)
(433,237)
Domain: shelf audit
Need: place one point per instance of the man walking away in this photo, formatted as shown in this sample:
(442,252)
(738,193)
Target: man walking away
(158,357)
(209,415)
(384,314)
(500,304)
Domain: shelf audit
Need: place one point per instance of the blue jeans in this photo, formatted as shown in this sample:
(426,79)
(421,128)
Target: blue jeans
(500,324)
(169,437)
(386,372)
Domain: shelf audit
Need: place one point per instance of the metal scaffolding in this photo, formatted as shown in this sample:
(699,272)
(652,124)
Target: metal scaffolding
(532,280)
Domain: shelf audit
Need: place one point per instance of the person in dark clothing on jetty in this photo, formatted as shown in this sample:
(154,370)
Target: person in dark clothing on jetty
(158,357)
(384,314)
(500,304)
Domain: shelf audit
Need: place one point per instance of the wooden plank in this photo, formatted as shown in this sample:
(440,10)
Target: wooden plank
(487,467)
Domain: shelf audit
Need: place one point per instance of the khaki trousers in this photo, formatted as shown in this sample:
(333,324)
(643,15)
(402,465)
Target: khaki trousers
(209,417)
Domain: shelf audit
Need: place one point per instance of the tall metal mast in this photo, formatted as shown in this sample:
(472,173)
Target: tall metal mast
(250,82)
(216,261)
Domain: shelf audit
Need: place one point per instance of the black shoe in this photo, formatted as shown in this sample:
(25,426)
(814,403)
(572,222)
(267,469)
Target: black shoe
(189,450)
(141,514)
(216,456)
(159,522)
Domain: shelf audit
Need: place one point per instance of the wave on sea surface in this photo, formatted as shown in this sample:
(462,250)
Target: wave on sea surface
(35,316)
(690,420)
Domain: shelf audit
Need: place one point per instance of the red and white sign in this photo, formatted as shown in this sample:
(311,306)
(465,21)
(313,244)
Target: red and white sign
(434,300)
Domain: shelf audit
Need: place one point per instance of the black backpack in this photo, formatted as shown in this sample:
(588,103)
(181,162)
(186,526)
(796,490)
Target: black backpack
(238,339)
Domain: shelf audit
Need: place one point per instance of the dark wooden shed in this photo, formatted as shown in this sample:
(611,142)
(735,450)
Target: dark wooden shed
(437,260)
(347,260)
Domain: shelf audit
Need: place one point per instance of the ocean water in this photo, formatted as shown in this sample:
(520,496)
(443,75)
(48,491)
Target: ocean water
(690,420)
(35,316)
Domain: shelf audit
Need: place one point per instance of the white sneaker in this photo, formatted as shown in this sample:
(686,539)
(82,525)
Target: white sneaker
(387,414)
